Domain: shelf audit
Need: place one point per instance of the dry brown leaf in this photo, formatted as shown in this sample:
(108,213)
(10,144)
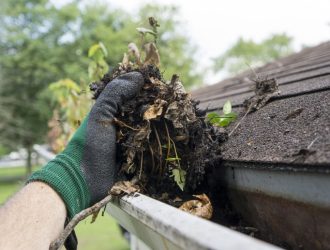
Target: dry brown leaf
(134,51)
(177,199)
(152,54)
(125,61)
(123,187)
(154,110)
(201,207)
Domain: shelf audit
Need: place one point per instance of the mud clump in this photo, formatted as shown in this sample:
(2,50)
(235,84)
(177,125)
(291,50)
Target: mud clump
(163,138)
(264,90)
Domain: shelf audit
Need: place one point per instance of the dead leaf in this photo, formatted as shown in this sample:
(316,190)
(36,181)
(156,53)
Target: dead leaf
(125,61)
(152,54)
(94,216)
(177,199)
(134,51)
(154,110)
(123,187)
(201,207)
(142,134)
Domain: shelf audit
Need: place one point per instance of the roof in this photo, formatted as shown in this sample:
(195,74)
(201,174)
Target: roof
(293,127)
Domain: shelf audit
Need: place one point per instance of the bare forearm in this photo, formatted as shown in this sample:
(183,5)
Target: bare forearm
(32,218)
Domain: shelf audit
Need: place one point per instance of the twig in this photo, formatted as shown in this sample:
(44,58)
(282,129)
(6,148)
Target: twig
(160,147)
(158,140)
(141,165)
(311,144)
(168,143)
(239,123)
(123,124)
(176,154)
(56,244)
(152,158)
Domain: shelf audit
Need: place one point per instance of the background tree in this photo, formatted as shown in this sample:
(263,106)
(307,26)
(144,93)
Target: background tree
(41,44)
(176,53)
(247,52)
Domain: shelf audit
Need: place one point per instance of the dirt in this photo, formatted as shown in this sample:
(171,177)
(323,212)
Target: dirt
(163,138)
(264,90)
(287,131)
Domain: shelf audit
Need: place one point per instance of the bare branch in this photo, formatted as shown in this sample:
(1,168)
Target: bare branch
(56,244)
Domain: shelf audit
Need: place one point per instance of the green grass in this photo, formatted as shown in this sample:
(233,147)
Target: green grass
(103,234)
(11,172)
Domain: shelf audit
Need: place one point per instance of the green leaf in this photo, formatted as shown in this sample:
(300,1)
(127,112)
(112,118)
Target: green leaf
(227,107)
(104,49)
(92,68)
(179,177)
(231,115)
(93,49)
(98,51)
(221,120)
(213,118)
(145,31)
(226,119)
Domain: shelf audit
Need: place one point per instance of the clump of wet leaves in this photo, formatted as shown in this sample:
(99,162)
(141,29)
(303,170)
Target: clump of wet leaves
(163,139)
(200,206)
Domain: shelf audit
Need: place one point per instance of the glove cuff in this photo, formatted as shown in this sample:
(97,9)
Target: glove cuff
(67,180)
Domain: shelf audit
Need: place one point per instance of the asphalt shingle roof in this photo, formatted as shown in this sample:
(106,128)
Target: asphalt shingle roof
(294,127)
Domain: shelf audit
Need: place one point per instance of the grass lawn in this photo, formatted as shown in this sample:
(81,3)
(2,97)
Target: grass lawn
(103,234)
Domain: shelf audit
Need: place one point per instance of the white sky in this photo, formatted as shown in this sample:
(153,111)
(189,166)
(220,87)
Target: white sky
(214,25)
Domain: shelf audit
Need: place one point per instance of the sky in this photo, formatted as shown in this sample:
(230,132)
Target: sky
(215,25)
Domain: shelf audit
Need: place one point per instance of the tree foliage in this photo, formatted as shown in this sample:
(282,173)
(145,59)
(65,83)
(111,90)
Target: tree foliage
(41,44)
(175,51)
(247,52)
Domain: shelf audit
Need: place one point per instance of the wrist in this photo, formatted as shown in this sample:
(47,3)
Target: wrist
(65,176)
(67,180)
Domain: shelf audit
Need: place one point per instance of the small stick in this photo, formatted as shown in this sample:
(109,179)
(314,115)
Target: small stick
(160,147)
(158,140)
(123,124)
(169,143)
(176,154)
(141,165)
(152,159)
(239,123)
(56,244)
(311,144)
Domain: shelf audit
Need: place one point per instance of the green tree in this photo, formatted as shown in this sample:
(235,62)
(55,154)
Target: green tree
(247,52)
(41,43)
(29,45)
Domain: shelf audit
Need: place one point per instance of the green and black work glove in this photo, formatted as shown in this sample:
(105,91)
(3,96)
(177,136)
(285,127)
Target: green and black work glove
(84,172)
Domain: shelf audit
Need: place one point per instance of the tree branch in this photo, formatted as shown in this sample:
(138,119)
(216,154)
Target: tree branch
(56,244)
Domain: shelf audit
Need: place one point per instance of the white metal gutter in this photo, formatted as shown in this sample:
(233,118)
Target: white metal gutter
(163,227)
(156,225)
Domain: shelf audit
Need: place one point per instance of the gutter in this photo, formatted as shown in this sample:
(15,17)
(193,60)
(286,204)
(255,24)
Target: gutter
(156,225)
(163,227)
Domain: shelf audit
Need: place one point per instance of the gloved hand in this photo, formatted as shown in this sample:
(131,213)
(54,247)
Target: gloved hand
(84,172)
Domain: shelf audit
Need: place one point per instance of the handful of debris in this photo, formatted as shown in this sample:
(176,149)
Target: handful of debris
(163,138)
(165,145)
